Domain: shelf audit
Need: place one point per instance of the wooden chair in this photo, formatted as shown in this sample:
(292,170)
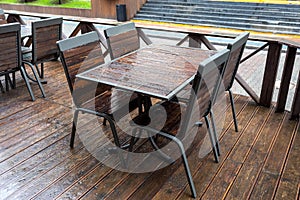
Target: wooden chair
(178,125)
(11,60)
(45,34)
(122,39)
(79,54)
(236,48)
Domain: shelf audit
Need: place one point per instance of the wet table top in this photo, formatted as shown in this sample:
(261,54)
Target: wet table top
(159,71)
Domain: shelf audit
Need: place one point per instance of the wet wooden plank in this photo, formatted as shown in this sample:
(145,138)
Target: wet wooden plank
(289,181)
(243,184)
(208,169)
(233,163)
(52,170)
(176,183)
(35,167)
(266,184)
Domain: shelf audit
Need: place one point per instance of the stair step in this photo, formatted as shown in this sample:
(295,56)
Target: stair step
(275,18)
(233,25)
(223,17)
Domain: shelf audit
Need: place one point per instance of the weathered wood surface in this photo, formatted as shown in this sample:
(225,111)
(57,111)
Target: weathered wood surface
(261,160)
(155,70)
(270,73)
(286,78)
(122,40)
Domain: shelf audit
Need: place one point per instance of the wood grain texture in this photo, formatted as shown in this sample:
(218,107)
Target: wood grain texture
(141,69)
(296,100)
(36,160)
(270,73)
(286,78)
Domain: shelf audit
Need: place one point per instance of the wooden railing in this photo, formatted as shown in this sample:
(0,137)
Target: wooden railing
(196,37)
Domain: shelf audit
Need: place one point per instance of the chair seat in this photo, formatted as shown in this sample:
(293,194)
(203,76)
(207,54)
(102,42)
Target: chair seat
(113,102)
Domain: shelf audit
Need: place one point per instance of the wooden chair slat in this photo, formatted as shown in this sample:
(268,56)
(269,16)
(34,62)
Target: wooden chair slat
(122,39)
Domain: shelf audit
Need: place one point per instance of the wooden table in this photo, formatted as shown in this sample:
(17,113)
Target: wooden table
(159,71)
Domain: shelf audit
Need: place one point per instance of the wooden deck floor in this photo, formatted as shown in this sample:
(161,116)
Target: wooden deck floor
(261,161)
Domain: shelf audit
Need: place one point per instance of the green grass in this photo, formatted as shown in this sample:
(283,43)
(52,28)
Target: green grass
(70,4)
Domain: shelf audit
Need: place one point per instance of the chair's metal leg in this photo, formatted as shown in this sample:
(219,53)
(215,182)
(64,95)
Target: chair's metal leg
(23,73)
(38,81)
(14,80)
(116,139)
(6,82)
(185,162)
(75,118)
(233,111)
(211,139)
(215,132)
(42,70)
(104,122)
(133,139)
(1,87)
(162,154)
(11,82)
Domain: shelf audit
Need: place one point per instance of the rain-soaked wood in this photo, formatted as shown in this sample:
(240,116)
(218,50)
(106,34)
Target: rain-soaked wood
(256,156)
(267,181)
(286,78)
(157,70)
(290,177)
(296,100)
(39,163)
(270,73)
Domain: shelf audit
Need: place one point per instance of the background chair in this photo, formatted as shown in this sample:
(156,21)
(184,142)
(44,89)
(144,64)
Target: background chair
(122,39)
(45,34)
(11,60)
(79,54)
(204,90)
(236,48)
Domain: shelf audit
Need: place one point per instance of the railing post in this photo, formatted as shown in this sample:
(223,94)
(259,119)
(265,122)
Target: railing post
(270,73)
(296,101)
(194,41)
(286,78)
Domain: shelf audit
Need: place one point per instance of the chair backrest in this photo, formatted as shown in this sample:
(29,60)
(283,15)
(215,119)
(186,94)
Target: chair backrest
(79,54)
(122,39)
(205,88)
(45,34)
(236,48)
(10,42)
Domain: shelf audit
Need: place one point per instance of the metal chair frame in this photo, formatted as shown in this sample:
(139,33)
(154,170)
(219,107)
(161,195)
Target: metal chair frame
(20,65)
(54,54)
(215,63)
(236,46)
(78,42)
